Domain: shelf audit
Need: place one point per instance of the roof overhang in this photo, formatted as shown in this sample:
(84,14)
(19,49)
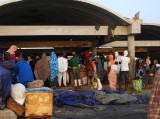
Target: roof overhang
(58,12)
(149,32)
(66,13)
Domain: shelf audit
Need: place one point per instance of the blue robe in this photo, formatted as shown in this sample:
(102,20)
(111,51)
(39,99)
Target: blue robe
(53,66)
(5,85)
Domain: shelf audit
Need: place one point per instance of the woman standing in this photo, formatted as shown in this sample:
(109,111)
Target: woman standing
(90,69)
(53,62)
(112,75)
(42,69)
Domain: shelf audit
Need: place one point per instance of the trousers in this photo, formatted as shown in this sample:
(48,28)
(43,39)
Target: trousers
(60,76)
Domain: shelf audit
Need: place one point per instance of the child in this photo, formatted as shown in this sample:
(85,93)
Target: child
(96,84)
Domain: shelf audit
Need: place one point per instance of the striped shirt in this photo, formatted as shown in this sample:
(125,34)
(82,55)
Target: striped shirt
(154,103)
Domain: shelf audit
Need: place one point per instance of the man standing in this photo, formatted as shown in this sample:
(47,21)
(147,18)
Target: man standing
(124,73)
(74,61)
(63,66)
(23,71)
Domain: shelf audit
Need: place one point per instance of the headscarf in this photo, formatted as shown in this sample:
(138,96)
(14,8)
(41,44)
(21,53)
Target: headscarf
(54,66)
(12,51)
(87,53)
(42,68)
(111,60)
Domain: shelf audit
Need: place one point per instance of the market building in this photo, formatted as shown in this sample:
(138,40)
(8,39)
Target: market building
(68,25)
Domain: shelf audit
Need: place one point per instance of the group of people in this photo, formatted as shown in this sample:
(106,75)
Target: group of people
(15,69)
(83,70)
(118,70)
(88,69)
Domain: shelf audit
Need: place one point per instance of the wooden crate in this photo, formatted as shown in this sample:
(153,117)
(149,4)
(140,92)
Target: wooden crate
(15,107)
(39,104)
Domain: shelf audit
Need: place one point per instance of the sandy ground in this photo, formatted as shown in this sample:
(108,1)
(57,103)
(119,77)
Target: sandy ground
(132,111)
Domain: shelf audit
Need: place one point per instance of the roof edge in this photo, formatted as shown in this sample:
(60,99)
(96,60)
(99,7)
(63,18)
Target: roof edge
(151,24)
(85,1)
(105,8)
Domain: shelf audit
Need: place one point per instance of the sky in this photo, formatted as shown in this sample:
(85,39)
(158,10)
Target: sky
(149,9)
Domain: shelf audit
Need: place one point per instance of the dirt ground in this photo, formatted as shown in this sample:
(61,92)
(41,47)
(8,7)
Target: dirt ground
(138,111)
(131,111)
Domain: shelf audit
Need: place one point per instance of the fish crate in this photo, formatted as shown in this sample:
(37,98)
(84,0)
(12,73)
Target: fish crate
(39,104)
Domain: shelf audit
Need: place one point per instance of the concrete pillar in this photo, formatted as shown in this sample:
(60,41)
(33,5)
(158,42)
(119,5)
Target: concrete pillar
(94,50)
(131,51)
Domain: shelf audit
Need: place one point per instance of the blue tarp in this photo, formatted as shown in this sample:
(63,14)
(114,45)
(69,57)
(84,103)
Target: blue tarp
(75,98)
(113,91)
(42,89)
(88,98)
(142,99)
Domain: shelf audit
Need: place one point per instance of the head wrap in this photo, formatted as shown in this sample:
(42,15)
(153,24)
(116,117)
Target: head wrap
(12,51)
(110,57)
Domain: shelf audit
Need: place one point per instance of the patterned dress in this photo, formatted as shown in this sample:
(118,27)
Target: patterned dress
(112,77)
(154,103)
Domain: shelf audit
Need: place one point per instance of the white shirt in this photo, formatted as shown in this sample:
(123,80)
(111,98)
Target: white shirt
(125,63)
(62,64)
(118,59)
